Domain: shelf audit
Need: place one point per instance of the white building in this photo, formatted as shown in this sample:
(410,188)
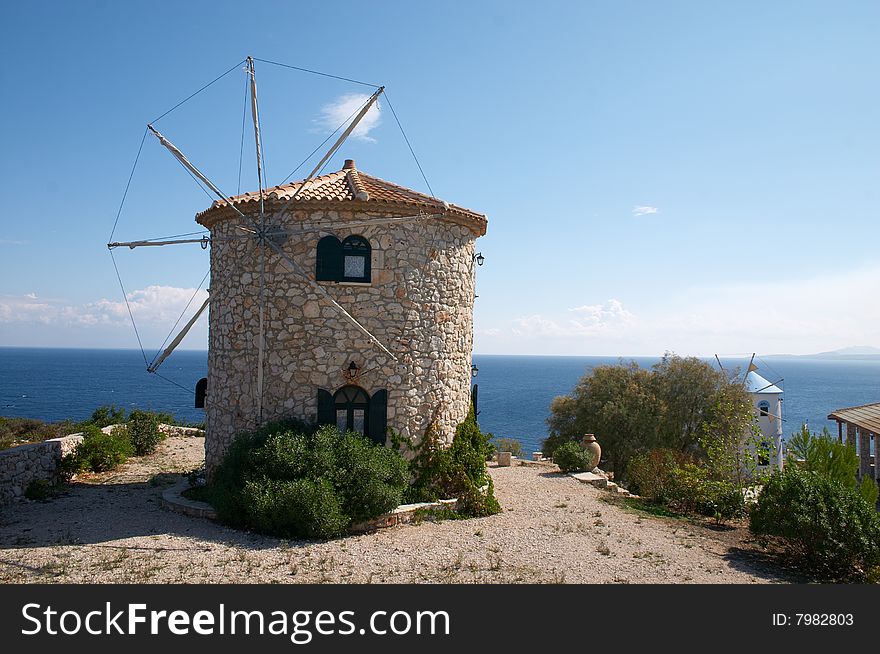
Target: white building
(767,399)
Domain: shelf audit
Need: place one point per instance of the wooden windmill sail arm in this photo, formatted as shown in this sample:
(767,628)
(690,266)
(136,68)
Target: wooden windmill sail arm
(177,339)
(255,116)
(339,142)
(204,241)
(191,168)
(142,244)
(345,314)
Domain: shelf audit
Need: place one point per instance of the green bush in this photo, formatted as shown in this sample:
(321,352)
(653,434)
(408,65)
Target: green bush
(826,526)
(650,474)
(38,489)
(572,457)
(692,491)
(143,431)
(824,455)
(309,508)
(98,451)
(107,415)
(869,491)
(17,431)
(459,471)
(290,480)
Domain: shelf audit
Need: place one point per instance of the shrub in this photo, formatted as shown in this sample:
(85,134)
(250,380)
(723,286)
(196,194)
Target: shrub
(869,491)
(819,521)
(143,431)
(107,415)
(650,474)
(572,457)
(307,508)
(692,491)
(458,471)
(99,451)
(16,431)
(508,445)
(824,455)
(38,489)
(290,480)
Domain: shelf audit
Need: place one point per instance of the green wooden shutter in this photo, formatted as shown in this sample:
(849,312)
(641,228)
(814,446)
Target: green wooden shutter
(326,410)
(328,263)
(378,418)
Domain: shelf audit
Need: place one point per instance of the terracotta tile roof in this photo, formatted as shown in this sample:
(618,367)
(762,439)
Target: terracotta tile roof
(347,185)
(866,416)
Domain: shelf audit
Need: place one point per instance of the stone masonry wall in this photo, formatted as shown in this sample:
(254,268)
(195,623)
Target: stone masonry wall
(419,305)
(21,465)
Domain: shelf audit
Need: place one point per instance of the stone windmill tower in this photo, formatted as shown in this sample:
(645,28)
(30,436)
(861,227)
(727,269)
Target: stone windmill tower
(368,318)
(340,299)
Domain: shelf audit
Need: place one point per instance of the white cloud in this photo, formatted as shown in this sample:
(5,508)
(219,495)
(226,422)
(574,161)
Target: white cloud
(157,306)
(8,241)
(341,110)
(587,320)
(773,316)
(644,210)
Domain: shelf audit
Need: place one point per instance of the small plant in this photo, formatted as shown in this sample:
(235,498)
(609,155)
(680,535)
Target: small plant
(692,491)
(651,474)
(98,451)
(107,415)
(869,491)
(572,457)
(508,445)
(39,489)
(143,431)
(456,471)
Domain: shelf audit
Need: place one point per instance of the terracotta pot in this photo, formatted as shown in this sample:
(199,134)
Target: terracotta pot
(592,446)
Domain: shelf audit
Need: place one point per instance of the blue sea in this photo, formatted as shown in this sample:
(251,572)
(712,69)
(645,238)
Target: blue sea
(514,391)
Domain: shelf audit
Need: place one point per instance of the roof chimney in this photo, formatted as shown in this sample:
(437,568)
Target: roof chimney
(348,165)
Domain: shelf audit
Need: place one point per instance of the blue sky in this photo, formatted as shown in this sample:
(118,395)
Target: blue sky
(698,177)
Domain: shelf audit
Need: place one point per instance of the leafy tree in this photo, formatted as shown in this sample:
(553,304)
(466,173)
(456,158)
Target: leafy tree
(731,439)
(681,403)
(688,388)
(619,404)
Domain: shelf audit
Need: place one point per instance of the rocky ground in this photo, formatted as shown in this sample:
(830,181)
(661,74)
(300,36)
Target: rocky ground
(111,528)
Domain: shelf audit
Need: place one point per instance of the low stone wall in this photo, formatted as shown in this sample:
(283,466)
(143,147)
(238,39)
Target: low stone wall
(21,465)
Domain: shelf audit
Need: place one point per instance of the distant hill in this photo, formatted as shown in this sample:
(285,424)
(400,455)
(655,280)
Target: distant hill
(851,353)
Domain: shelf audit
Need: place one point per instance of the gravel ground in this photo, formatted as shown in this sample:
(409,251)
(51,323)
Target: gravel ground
(111,528)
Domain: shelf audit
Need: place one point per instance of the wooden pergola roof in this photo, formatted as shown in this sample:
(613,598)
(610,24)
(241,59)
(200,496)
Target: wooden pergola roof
(865,417)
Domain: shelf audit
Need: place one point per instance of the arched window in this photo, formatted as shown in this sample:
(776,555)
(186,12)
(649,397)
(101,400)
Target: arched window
(764,408)
(356,259)
(343,261)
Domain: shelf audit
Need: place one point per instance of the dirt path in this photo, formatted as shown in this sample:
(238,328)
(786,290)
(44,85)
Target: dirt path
(111,528)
